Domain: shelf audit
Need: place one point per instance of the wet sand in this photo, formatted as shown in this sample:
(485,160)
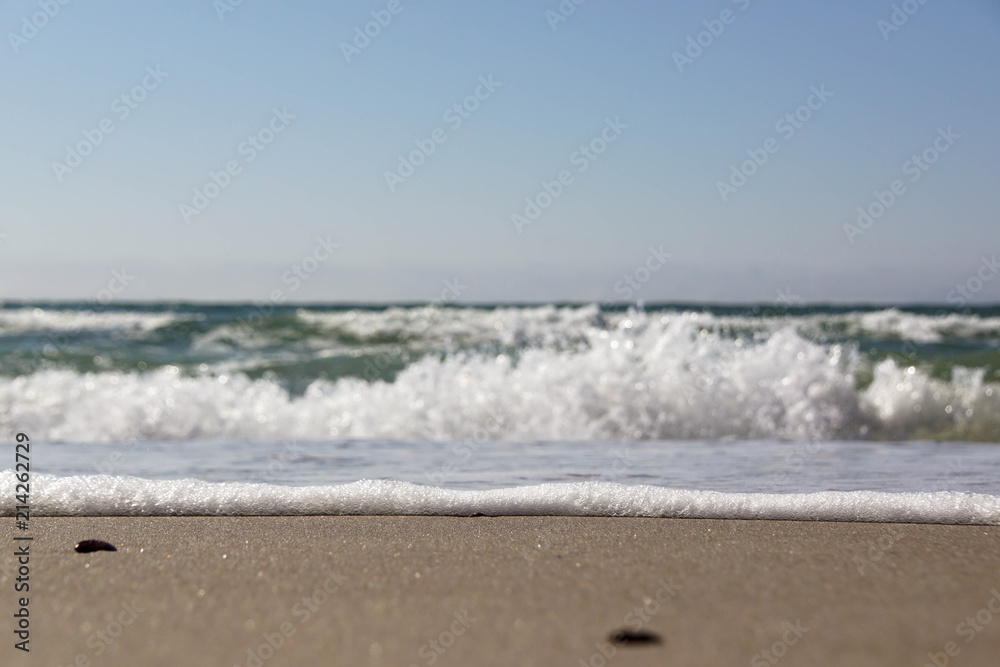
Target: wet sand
(255,591)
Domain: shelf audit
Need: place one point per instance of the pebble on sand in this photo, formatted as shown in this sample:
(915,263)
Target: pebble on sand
(86,546)
(634,637)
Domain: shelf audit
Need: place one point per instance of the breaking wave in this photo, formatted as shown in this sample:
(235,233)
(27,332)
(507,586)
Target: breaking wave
(508,373)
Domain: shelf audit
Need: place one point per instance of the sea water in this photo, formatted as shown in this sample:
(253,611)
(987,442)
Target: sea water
(671,410)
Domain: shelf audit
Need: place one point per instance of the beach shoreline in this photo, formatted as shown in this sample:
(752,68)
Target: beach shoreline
(390,590)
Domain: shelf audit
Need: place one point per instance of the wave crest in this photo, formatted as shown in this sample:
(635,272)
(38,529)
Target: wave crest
(669,379)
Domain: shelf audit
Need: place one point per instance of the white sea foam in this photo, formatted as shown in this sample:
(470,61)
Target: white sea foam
(130,496)
(553,325)
(22,320)
(575,373)
(541,326)
(668,381)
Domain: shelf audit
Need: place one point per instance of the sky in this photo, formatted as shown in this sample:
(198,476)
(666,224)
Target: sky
(387,150)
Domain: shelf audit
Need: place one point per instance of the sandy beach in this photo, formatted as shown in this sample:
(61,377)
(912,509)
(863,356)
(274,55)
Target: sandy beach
(407,591)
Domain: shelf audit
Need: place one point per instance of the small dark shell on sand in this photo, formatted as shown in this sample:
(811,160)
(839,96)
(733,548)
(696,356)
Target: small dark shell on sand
(634,637)
(86,546)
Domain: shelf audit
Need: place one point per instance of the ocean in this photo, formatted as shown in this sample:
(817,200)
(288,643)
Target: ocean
(770,411)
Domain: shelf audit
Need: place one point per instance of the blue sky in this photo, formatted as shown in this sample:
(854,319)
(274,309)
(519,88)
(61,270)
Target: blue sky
(329,126)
